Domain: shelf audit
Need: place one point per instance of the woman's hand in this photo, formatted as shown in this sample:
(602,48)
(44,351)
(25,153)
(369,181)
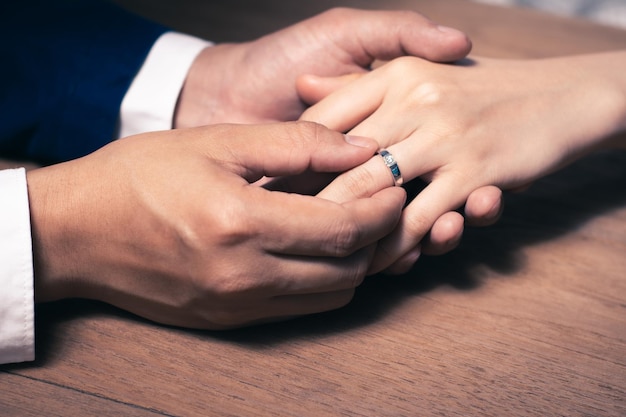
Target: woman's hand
(462,127)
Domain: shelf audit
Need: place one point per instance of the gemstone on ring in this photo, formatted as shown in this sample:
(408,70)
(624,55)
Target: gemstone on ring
(391,163)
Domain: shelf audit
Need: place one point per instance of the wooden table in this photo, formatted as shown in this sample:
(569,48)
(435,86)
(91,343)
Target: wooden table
(526,318)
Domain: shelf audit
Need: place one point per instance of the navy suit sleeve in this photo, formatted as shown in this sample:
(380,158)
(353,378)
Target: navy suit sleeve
(66,66)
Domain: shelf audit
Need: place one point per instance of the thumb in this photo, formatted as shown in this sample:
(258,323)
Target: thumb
(254,151)
(385,35)
(312,88)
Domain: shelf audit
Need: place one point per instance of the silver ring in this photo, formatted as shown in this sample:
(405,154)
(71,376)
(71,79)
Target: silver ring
(391,163)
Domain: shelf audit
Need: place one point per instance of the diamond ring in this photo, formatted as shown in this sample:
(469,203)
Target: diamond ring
(391,163)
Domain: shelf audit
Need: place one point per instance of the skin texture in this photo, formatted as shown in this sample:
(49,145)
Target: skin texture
(255,82)
(462,127)
(174,226)
(170,226)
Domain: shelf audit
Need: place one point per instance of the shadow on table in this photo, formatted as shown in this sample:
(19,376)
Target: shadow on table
(553,207)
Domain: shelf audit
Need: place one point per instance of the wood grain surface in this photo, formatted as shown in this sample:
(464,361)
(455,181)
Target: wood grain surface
(527,317)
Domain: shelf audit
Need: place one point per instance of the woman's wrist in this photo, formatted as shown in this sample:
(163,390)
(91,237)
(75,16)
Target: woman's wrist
(597,84)
(609,69)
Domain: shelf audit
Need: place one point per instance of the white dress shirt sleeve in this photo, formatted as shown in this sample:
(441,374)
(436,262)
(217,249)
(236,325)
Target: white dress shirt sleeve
(150,101)
(147,106)
(17,333)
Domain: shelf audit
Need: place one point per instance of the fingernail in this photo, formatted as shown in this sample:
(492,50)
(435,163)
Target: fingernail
(413,255)
(449,30)
(360,141)
(405,263)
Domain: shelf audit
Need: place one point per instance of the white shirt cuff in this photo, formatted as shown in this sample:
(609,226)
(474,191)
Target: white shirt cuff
(150,101)
(17,317)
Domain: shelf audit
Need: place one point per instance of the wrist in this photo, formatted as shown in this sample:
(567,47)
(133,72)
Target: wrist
(608,69)
(150,102)
(594,88)
(205,93)
(52,249)
(617,137)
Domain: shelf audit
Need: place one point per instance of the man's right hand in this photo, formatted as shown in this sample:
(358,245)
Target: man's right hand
(167,225)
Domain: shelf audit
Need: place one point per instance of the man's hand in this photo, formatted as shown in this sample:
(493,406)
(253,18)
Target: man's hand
(169,226)
(256,81)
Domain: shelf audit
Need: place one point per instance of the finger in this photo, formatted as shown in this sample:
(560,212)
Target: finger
(371,35)
(521,188)
(295,224)
(405,263)
(442,195)
(309,183)
(287,274)
(275,309)
(366,103)
(313,89)
(366,106)
(374,175)
(304,304)
(484,206)
(445,234)
(339,112)
(287,307)
(287,149)
(361,181)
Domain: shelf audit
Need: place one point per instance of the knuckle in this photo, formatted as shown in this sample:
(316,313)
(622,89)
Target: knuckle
(347,239)
(400,66)
(358,181)
(216,301)
(344,298)
(307,128)
(360,270)
(429,93)
(229,301)
(355,270)
(306,134)
(221,283)
(359,278)
(430,90)
(228,287)
(232,227)
(416,226)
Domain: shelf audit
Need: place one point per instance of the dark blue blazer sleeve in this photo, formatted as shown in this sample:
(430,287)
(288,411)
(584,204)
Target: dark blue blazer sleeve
(65,68)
